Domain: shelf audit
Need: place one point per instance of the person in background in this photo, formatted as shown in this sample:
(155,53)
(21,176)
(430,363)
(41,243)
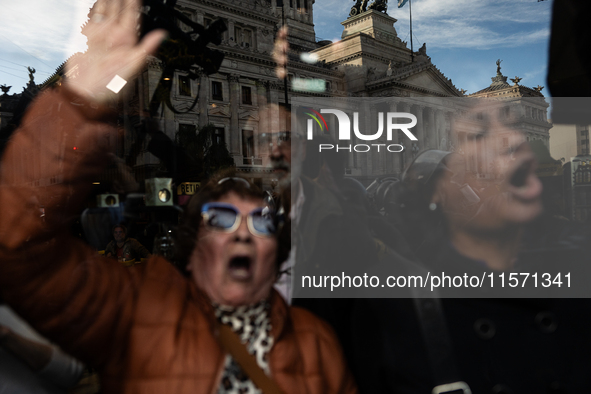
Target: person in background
(123,248)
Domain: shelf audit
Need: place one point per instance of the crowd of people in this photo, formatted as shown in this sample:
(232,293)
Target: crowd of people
(230,315)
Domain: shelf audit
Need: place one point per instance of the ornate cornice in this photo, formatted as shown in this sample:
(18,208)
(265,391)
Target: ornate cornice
(412,69)
(362,55)
(406,86)
(381,36)
(393,93)
(275,85)
(265,59)
(237,7)
(366,38)
(510,92)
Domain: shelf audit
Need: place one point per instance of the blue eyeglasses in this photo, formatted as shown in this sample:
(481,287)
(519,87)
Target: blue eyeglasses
(226,218)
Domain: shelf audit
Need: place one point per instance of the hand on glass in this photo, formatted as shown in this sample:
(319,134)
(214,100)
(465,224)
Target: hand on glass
(114,50)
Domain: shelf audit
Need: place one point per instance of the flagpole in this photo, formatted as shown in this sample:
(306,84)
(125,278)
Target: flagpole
(412,52)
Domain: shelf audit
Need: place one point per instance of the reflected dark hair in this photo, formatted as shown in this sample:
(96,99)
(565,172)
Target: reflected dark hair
(217,187)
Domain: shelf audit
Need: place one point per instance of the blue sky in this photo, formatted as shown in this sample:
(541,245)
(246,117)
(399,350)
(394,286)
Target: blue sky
(464,37)
(38,33)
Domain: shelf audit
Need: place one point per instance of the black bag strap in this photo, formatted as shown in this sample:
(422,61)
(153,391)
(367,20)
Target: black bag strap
(231,343)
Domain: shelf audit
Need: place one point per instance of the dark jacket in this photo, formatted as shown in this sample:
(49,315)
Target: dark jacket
(132,249)
(496,345)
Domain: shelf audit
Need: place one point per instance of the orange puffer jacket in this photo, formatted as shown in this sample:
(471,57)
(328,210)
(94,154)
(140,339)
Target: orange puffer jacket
(148,329)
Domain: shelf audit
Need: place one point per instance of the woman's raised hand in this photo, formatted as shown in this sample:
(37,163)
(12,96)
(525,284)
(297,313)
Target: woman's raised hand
(114,53)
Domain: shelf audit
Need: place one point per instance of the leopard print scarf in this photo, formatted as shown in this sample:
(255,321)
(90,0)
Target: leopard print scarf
(253,326)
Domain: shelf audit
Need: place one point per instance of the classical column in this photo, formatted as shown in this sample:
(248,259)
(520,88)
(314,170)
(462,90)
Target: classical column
(391,158)
(273,123)
(406,154)
(383,156)
(367,160)
(296,13)
(204,100)
(255,39)
(431,131)
(370,111)
(395,159)
(417,110)
(231,31)
(260,146)
(453,133)
(447,133)
(235,132)
(392,163)
(437,128)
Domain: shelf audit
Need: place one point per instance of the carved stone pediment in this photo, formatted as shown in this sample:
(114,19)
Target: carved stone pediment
(430,80)
(185,105)
(249,115)
(219,111)
(393,93)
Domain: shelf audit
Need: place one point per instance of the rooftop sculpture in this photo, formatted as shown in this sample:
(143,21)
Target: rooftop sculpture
(361,6)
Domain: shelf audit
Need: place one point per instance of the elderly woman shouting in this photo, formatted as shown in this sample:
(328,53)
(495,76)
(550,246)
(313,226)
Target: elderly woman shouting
(149,330)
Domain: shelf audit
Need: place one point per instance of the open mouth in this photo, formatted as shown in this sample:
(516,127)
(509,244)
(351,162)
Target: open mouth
(239,268)
(520,175)
(523,183)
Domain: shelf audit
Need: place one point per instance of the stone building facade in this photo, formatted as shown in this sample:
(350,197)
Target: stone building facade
(230,99)
(377,64)
(526,106)
(569,140)
(369,61)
